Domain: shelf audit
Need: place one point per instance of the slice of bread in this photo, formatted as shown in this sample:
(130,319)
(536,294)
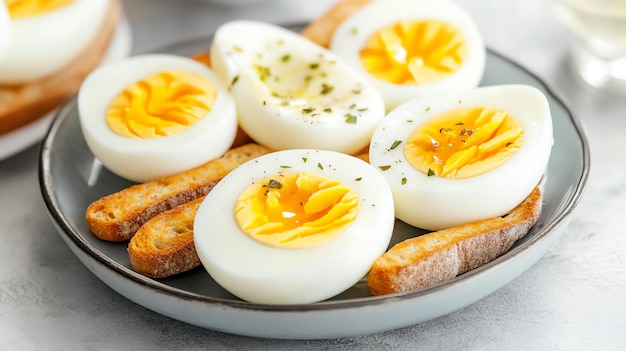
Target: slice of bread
(436,257)
(164,245)
(25,103)
(321,29)
(118,216)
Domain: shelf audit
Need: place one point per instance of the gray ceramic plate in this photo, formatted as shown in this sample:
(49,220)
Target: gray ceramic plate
(71,178)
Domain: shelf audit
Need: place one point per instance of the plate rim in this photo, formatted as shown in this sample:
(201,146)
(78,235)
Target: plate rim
(67,230)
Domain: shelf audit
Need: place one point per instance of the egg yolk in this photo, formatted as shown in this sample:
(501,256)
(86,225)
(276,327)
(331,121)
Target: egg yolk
(296,210)
(464,142)
(29,8)
(161,104)
(414,52)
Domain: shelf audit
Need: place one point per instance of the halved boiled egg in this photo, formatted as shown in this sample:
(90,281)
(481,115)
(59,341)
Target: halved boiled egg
(292,93)
(294,226)
(456,158)
(47,35)
(408,48)
(150,116)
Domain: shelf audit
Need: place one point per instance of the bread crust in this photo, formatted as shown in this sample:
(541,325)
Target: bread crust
(25,103)
(439,256)
(164,245)
(116,217)
(321,29)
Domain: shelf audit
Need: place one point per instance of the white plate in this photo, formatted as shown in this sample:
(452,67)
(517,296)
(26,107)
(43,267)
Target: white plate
(71,178)
(27,135)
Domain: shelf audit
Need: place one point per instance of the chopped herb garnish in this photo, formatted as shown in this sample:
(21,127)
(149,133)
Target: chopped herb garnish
(328,109)
(326,89)
(308,78)
(384,168)
(314,65)
(403,180)
(319,165)
(430,172)
(304,159)
(237,48)
(509,144)
(445,130)
(352,106)
(460,102)
(356,91)
(358,179)
(285,58)
(354,31)
(263,72)
(235,79)
(459,124)
(350,118)
(363,109)
(395,144)
(264,102)
(427,109)
(285,166)
(274,184)
(409,121)
(308,110)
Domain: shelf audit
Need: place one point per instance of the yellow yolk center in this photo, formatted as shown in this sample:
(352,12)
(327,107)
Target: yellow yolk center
(464,142)
(162,104)
(296,210)
(414,52)
(29,8)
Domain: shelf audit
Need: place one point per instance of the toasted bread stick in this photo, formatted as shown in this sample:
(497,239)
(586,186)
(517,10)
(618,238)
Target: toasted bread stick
(436,257)
(118,216)
(164,245)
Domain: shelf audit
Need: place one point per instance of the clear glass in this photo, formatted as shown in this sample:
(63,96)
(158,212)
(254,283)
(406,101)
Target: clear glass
(599,52)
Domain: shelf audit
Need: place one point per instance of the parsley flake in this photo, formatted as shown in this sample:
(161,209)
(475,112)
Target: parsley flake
(235,79)
(304,159)
(403,180)
(384,168)
(350,118)
(430,172)
(319,165)
(395,144)
(274,184)
(326,89)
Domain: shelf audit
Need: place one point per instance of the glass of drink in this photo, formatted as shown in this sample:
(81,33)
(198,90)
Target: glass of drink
(599,51)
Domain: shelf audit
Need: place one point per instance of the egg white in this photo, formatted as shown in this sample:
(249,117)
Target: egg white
(240,47)
(435,203)
(43,44)
(268,275)
(351,35)
(141,159)
(5,30)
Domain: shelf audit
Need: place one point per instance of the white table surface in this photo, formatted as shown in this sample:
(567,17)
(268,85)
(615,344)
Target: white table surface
(574,298)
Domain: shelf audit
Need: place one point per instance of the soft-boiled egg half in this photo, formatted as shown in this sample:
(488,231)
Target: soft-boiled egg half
(408,48)
(294,226)
(46,36)
(150,116)
(456,158)
(291,93)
